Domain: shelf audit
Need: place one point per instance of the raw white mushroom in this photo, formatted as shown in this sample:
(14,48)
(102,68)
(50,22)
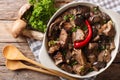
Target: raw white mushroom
(33,34)
(18,26)
(23,9)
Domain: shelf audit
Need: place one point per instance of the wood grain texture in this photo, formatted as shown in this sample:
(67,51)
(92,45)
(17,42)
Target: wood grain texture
(6,74)
(9,8)
(5,32)
(60,3)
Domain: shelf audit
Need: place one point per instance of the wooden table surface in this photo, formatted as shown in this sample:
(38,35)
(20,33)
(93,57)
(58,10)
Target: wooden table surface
(8,13)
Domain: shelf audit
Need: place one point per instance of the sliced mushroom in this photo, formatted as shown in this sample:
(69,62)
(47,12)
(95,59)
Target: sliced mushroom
(67,26)
(82,9)
(74,11)
(112,45)
(63,38)
(107,29)
(70,46)
(92,58)
(100,31)
(67,68)
(98,65)
(104,16)
(61,24)
(79,20)
(58,58)
(54,26)
(94,31)
(78,69)
(87,15)
(95,19)
(54,48)
(73,36)
(72,23)
(79,57)
(101,56)
(92,46)
(96,38)
(81,69)
(68,56)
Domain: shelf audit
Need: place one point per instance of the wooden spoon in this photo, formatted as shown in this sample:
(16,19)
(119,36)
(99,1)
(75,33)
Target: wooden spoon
(10,52)
(16,65)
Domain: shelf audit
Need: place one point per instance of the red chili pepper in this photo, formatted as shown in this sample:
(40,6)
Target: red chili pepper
(87,39)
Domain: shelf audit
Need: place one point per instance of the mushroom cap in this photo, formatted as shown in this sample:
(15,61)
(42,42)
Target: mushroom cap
(23,9)
(18,26)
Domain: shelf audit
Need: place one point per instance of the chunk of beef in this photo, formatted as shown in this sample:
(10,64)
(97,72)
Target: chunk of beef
(63,37)
(58,58)
(110,30)
(79,35)
(92,58)
(107,29)
(79,57)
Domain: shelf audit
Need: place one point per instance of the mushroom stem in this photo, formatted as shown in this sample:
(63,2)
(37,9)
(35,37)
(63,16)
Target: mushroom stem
(33,34)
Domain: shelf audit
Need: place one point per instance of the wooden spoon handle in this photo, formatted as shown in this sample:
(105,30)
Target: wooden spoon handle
(48,72)
(57,73)
(39,70)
